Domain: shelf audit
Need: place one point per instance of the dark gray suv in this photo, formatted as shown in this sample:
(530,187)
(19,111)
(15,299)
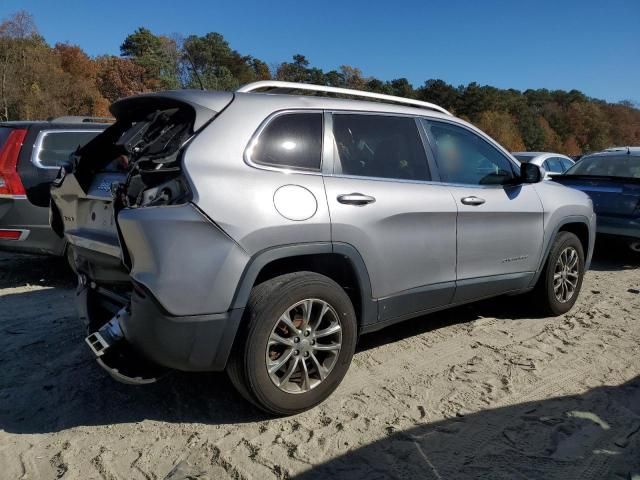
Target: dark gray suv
(31,153)
(262,232)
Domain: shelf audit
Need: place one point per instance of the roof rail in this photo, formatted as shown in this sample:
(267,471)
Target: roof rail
(80,119)
(276,86)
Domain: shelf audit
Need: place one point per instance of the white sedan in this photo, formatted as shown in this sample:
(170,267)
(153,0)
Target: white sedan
(553,163)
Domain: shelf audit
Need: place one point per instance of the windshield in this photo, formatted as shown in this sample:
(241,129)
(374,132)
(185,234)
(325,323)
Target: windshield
(524,158)
(625,166)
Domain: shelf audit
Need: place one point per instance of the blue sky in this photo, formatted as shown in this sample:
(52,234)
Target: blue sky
(593,46)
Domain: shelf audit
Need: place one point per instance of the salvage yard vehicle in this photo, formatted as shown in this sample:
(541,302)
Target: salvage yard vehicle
(612,179)
(31,153)
(553,163)
(261,232)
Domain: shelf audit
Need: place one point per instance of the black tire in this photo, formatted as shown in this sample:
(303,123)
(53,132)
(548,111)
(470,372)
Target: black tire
(247,367)
(544,293)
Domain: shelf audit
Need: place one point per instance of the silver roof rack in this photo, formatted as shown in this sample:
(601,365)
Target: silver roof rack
(275,86)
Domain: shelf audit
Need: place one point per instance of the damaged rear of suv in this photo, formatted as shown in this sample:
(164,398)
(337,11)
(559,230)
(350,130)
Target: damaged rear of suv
(125,206)
(261,232)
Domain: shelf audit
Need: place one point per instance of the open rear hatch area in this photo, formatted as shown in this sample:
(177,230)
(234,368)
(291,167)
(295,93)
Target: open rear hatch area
(136,163)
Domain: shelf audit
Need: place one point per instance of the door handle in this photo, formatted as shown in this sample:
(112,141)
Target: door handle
(355,199)
(475,201)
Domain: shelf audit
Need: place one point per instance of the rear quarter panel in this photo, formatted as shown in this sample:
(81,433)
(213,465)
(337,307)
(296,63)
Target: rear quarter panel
(240,198)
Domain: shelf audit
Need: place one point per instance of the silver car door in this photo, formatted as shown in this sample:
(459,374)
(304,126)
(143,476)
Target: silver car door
(500,222)
(382,203)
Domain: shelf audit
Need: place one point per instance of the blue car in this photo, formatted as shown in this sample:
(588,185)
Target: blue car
(612,180)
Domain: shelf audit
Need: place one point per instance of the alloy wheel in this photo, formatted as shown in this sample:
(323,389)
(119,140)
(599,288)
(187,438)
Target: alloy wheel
(566,275)
(304,346)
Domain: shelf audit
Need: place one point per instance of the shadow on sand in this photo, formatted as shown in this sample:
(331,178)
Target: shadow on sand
(591,436)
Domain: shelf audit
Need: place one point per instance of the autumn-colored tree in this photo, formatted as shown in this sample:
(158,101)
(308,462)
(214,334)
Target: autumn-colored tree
(589,126)
(552,142)
(352,77)
(119,77)
(82,96)
(570,146)
(624,123)
(502,127)
(260,69)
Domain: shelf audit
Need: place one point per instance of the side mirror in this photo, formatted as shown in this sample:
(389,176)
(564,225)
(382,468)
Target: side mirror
(530,173)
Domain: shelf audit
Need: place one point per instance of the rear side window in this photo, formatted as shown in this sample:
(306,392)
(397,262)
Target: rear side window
(290,140)
(54,147)
(553,165)
(379,146)
(466,158)
(566,164)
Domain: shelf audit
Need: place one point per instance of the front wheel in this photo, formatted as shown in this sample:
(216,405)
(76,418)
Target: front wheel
(297,343)
(560,282)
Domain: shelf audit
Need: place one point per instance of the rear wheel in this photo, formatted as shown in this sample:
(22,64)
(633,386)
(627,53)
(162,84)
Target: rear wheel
(559,285)
(299,338)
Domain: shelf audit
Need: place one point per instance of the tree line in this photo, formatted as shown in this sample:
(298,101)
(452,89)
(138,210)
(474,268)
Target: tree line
(38,81)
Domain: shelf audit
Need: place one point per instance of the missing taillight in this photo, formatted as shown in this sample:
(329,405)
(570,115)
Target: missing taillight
(10,183)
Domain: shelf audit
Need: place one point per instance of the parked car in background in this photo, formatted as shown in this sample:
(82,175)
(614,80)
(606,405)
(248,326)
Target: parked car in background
(263,232)
(612,179)
(551,162)
(31,153)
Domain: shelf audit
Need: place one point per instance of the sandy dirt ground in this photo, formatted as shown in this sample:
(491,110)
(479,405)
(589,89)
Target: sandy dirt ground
(483,391)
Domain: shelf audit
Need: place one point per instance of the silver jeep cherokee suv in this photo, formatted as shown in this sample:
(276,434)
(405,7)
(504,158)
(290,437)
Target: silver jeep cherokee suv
(261,232)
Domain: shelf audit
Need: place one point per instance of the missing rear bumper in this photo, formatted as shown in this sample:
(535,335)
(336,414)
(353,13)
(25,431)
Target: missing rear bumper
(115,355)
(137,342)
(126,365)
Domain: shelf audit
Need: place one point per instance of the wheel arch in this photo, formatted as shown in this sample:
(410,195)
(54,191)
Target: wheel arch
(579,226)
(580,230)
(338,261)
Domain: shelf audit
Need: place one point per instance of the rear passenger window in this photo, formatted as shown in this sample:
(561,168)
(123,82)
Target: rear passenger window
(291,140)
(55,147)
(466,158)
(379,146)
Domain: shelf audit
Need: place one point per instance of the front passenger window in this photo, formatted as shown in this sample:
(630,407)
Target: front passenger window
(466,158)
